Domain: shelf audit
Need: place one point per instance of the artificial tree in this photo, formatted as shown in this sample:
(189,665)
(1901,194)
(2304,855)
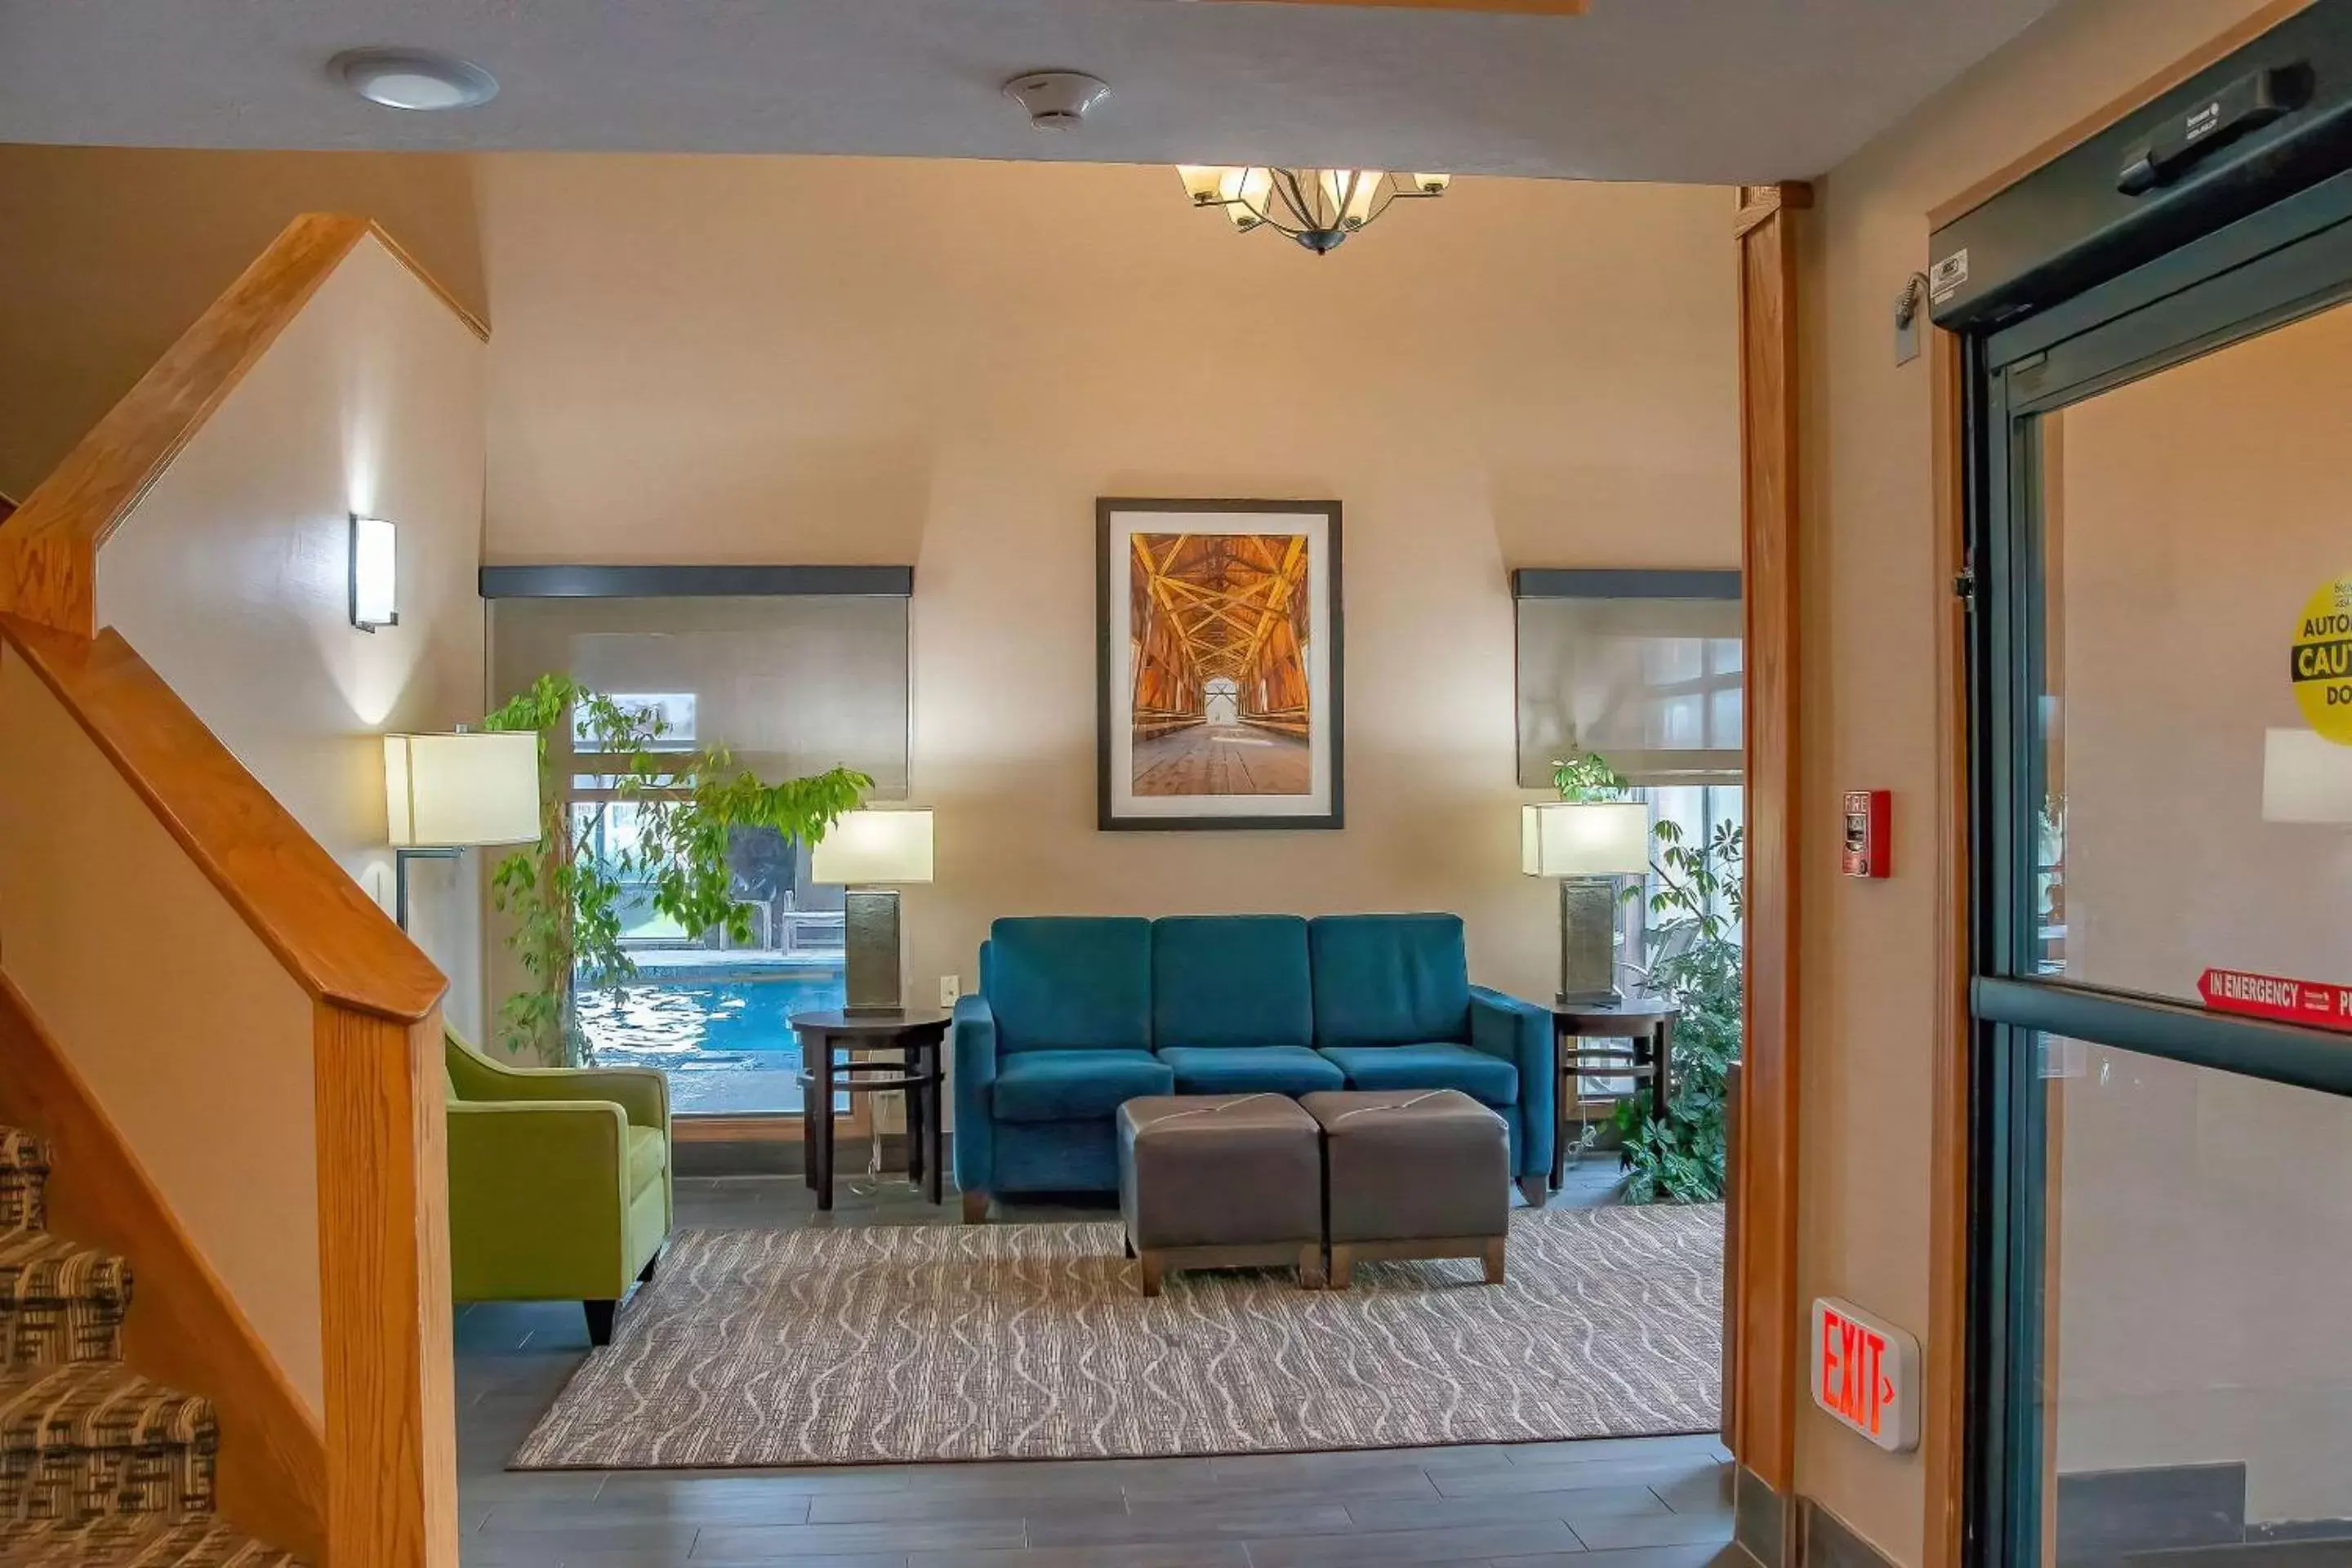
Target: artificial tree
(564,895)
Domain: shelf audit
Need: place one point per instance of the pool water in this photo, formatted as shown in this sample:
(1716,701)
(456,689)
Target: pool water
(725,1041)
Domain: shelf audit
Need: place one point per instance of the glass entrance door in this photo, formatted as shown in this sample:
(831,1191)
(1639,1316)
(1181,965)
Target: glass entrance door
(2163,710)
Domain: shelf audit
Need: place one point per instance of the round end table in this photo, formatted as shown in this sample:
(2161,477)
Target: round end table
(917,1037)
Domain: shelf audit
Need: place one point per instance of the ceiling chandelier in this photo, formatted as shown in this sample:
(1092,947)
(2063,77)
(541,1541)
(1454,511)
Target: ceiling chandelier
(1317,207)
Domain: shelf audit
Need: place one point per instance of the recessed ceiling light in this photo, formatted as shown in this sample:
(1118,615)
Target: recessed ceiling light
(413,78)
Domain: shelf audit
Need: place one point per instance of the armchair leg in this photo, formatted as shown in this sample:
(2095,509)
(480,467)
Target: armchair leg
(645,1275)
(975,1208)
(600,1322)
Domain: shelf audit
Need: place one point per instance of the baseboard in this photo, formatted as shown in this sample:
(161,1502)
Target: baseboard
(1759,1519)
(724,1156)
(2104,1514)
(1825,1540)
(185,1331)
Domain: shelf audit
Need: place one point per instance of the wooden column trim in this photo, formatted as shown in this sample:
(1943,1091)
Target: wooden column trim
(383,1262)
(1767,1312)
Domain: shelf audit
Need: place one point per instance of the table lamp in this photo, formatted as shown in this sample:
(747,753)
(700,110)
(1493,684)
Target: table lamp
(447,793)
(864,850)
(1587,845)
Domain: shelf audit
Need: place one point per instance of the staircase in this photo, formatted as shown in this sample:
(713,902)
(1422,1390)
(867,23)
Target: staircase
(98,1468)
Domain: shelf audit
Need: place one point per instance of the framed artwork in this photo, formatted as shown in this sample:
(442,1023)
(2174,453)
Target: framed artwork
(1218,680)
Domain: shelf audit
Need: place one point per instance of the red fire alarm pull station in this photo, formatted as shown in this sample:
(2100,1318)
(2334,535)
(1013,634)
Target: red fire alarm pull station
(1869,835)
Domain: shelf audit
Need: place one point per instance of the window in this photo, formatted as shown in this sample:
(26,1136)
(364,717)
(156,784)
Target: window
(1644,667)
(789,683)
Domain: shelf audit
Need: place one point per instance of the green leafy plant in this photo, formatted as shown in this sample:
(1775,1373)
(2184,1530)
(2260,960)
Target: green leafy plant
(1588,778)
(1695,909)
(564,894)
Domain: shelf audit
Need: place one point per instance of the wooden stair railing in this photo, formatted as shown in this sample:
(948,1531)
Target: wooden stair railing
(388,1458)
(385,1491)
(48,550)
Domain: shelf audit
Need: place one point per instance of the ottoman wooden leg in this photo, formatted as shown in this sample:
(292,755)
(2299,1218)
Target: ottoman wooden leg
(1311,1266)
(1494,1260)
(1148,1265)
(1342,1261)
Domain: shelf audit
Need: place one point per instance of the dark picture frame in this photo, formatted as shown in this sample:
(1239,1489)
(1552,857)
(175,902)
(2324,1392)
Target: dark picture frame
(1141,768)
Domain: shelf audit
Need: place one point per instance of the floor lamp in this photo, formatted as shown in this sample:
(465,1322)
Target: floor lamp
(445,793)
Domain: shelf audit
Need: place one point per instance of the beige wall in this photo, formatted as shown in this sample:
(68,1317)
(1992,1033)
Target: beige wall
(1873,603)
(231,576)
(802,360)
(110,252)
(190,1035)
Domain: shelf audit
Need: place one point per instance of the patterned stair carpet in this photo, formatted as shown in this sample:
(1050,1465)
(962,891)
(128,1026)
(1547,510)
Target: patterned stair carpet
(1020,1341)
(98,1468)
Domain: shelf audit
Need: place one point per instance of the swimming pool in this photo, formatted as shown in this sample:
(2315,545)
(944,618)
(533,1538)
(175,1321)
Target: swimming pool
(724,1040)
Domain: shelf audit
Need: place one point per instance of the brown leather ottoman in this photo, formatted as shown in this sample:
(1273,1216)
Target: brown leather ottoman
(1212,1181)
(1413,1173)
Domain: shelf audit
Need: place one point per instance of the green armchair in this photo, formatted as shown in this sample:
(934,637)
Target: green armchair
(559,1183)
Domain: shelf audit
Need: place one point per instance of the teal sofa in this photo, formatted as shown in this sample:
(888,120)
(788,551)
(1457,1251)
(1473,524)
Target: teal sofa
(1076,1015)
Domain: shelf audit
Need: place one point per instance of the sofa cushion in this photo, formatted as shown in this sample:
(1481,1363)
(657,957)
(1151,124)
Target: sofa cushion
(1231,980)
(1246,1069)
(1389,980)
(1075,1085)
(648,1153)
(1436,1064)
(1070,983)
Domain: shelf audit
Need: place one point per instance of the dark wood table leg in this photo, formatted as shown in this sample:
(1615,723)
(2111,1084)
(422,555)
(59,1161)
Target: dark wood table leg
(1563,1090)
(915,1111)
(808,1125)
(824,1107)
(935,1175)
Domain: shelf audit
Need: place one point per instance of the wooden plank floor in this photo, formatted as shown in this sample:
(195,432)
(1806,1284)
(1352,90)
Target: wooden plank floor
(1223,759)
(1616,1503)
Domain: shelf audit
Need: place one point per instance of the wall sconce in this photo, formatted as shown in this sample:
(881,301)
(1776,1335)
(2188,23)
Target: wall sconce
(445,793)
(375,573)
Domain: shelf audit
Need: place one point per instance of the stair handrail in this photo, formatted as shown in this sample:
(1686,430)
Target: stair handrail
(388,1458)
(48,549)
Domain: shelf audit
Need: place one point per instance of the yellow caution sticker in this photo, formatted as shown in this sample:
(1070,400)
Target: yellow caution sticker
(2322,661)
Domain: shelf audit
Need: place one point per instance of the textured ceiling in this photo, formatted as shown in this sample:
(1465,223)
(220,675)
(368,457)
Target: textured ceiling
(1700,91)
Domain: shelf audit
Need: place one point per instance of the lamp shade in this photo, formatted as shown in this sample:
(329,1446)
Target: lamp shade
(445,792)
(1584,838)
(867,848)
(2305,778)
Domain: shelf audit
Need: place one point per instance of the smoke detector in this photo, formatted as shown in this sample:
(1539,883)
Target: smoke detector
(1057,101)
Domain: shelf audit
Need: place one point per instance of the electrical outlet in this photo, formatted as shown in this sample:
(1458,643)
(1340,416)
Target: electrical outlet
(951,987)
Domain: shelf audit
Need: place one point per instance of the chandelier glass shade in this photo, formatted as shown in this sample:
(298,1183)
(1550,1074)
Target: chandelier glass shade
(1317,207)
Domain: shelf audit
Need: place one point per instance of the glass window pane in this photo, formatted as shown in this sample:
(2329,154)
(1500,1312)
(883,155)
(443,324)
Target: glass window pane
(2187,817)
(2197,1376)
(789,687)
(1640,681)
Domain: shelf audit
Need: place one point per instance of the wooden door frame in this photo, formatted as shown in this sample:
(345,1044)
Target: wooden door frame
(1760,1331)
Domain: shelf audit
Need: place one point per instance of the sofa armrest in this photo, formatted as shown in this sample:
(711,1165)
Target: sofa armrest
(1520,1033)
(973,1040)
(641,1092)
(539,1199)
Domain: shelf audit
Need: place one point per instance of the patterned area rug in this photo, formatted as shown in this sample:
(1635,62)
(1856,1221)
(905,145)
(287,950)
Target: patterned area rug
(1018,1342)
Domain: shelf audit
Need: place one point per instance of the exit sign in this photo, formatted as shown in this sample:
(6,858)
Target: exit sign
(1866,1374)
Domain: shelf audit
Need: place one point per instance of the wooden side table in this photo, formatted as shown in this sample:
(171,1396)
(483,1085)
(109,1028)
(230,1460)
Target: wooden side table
(919,1038)
(1648,1028)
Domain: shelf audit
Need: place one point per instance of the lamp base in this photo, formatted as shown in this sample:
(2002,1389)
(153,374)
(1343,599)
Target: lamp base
(870,957)
(1588,942)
